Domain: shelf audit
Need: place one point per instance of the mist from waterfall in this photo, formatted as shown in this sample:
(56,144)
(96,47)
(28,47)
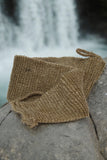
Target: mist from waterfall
(46,28)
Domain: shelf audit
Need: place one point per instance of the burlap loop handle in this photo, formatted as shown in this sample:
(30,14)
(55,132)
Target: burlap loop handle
(85,53)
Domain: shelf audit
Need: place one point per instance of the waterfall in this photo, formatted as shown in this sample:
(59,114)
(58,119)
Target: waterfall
(42,23)
(49,23)
(7,31)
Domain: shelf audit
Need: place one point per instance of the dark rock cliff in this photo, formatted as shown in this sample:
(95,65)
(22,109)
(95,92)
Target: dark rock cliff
(10,9)
(92,16)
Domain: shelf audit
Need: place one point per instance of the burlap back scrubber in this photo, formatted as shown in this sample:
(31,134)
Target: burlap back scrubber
(53,90)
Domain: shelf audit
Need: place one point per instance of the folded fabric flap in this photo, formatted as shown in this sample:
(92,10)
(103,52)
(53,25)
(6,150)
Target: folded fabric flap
(63,102)
(32,76)
(31,96)
(93,66)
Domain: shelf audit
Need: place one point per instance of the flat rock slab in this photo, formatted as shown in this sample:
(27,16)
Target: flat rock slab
(84,139)
(64,141)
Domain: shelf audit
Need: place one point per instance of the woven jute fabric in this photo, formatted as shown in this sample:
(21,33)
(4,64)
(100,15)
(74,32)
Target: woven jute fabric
(53,90)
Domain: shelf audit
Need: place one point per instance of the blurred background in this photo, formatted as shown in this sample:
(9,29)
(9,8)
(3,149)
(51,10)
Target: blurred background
(43,28)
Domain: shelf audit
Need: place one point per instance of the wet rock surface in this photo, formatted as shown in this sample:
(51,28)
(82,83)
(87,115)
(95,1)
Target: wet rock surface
(84,139)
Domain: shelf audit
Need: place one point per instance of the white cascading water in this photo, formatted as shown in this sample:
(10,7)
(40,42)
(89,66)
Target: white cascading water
(46,28)
(48,23)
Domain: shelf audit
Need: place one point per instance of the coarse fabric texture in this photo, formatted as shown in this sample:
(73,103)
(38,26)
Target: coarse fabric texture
(53,90)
